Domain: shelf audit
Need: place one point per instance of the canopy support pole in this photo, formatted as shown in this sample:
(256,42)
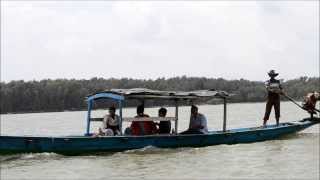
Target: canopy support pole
(88,118)
(224,114)
(176,116)
(120,113)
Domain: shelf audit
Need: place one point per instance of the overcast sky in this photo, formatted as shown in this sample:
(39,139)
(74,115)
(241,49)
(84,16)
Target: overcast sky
(228,39)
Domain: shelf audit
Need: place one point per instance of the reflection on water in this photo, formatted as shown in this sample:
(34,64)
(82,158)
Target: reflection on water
(292,156)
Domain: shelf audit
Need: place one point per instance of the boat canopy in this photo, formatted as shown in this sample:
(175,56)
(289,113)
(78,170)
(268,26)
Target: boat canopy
(143,93)
(120,95)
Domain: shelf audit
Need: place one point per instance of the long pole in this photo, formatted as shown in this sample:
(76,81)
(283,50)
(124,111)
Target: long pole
(120,113)
(88,118)
(224,114)
(176,117)
(292,100)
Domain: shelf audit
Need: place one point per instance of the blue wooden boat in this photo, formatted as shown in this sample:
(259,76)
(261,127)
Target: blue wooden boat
(73,145)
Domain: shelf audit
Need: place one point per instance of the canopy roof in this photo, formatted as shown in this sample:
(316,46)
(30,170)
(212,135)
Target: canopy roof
(143,93)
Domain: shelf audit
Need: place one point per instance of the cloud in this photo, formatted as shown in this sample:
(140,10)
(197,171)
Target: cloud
(159,39)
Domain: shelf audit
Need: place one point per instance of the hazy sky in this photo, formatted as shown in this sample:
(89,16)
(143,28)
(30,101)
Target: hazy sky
(228,39)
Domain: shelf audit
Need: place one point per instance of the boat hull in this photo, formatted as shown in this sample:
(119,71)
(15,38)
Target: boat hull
(74,145)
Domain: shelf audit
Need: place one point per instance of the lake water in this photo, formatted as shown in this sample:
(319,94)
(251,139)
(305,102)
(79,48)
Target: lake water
(292,157)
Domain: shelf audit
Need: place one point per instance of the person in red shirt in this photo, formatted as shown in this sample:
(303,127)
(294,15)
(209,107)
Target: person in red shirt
(139,128)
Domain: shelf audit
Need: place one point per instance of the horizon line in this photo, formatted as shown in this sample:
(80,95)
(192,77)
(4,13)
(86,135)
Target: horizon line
(151,79)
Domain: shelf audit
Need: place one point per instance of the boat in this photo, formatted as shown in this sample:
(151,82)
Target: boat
(84,144)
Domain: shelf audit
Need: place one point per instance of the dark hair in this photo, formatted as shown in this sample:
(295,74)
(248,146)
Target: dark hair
(194,107)
(163,111)
(140,109)
(112,108)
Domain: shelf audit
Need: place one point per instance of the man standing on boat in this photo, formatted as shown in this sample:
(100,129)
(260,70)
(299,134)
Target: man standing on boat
(274,89)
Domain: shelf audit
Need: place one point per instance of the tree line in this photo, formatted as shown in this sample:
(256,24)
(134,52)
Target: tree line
(69,94)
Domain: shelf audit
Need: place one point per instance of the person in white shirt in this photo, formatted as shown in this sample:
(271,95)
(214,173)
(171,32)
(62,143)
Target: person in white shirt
(198,122)
(110,124)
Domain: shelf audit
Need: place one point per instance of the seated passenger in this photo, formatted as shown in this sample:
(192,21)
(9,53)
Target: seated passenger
(110,124)
(164,126)
(142,127)
(198,122)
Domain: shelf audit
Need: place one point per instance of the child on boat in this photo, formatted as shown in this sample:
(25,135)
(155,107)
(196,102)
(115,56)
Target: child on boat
(164,126)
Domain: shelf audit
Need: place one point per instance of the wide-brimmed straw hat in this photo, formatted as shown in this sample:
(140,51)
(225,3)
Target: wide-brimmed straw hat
(272,73)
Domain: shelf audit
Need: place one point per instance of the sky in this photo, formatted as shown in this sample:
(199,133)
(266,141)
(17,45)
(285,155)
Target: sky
(155,39)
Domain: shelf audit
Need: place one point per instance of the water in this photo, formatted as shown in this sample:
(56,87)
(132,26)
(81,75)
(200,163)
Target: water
(295,156)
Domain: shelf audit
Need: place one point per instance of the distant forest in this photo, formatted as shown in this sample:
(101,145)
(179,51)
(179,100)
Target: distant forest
(64,94)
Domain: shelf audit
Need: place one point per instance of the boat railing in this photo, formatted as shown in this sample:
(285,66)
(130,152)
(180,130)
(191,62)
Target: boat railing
(96,119)
(131,119)
(150,119)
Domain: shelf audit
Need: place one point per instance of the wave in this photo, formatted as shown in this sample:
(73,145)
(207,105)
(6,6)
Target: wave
(29,156)
(156,150)
(299,135)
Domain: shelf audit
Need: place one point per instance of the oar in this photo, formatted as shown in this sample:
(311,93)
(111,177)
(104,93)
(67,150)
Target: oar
(292,100)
